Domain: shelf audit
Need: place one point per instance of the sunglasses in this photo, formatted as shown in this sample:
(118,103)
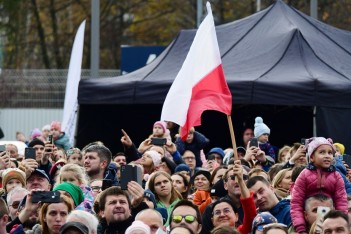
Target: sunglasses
(232,177)
(187,218)
(15,204)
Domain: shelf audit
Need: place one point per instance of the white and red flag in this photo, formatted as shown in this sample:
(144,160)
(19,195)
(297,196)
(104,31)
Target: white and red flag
(200,84)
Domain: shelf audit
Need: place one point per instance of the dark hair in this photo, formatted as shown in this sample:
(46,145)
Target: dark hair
(333,214)
(224,230)
(189,204)
(112,191)
(119,154)
(215,172)
(296,172)
(226,200)
(253,180)
(186,184)
(103,152)
(3,208)
(274,170)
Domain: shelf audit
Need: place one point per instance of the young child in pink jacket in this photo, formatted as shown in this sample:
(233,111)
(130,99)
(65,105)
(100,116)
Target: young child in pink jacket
(320,177)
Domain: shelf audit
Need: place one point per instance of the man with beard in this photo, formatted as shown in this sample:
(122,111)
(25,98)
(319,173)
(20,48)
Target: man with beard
(97,164)
(118,212)
(27,213)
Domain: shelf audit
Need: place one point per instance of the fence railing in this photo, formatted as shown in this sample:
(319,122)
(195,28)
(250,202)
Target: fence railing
(38,88)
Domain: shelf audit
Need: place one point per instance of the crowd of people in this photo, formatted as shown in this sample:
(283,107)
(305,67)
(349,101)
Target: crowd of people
(299,188)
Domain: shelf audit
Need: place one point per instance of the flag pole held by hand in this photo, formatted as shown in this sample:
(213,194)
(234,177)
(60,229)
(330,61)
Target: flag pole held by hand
(232,136)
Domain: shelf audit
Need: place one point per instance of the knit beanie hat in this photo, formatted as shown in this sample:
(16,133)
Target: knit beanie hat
(75,192)
(13,173)
(216,150)
(260,127)
(35,133)
(314,142)
(138,226)
(182,167)
(34,142)
(156,157)
(207,174)
(341,147)
(56,125)
(162,124)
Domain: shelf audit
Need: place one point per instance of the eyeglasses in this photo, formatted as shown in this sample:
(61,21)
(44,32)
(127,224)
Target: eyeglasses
(226,211)
(232,177)
(96,188)
(187,218)
(15,204)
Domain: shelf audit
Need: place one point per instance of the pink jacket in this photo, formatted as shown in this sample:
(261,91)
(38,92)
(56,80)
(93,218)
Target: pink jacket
(313,181)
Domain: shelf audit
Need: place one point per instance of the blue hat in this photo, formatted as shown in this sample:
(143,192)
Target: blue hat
(216,150)
(151,196)
(182,167)
(260,127)
(164,214)
(262,219)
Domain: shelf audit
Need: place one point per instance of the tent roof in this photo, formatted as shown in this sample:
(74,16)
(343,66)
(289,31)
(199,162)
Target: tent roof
(277,56)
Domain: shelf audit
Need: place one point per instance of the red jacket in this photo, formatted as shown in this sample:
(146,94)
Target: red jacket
(250,213)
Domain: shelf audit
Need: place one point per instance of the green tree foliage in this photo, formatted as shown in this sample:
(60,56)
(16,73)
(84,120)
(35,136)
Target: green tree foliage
(39,33)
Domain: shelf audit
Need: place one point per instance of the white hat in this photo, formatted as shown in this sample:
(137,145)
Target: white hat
(138,226)
(260,127)
(156,157)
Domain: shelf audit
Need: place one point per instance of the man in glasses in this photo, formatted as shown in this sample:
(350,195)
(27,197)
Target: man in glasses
(13,200)
(186,214)
(234,193)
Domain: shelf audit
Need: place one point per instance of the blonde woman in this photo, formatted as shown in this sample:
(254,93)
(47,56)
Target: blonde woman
(282,183)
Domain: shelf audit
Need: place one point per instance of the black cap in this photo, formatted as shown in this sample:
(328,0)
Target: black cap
(218,189)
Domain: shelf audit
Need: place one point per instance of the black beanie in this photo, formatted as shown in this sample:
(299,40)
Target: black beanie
(36,141)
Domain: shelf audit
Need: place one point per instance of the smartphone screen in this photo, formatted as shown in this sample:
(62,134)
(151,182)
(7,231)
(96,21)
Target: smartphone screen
(29,152)
(46,196)
(158,141)
(2,148)
(254,142)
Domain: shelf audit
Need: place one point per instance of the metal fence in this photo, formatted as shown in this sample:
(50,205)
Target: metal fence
(38,88)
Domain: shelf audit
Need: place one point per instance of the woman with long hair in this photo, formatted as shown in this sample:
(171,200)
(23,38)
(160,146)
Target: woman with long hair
(160,183)
(181,184)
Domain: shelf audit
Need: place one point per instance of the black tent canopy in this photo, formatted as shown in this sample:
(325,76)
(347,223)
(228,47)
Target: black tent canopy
(278,56)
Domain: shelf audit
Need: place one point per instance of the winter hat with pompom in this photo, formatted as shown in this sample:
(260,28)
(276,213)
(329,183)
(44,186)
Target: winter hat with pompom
(260,127)
(314,142)
(156,157)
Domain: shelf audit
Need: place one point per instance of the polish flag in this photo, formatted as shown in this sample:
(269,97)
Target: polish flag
(200,84)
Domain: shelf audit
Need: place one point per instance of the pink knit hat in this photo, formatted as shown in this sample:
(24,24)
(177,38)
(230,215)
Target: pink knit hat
(156,157)
(56,125)
(314,142)
(162,124)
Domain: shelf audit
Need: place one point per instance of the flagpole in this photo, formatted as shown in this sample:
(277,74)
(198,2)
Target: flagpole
(232,136)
